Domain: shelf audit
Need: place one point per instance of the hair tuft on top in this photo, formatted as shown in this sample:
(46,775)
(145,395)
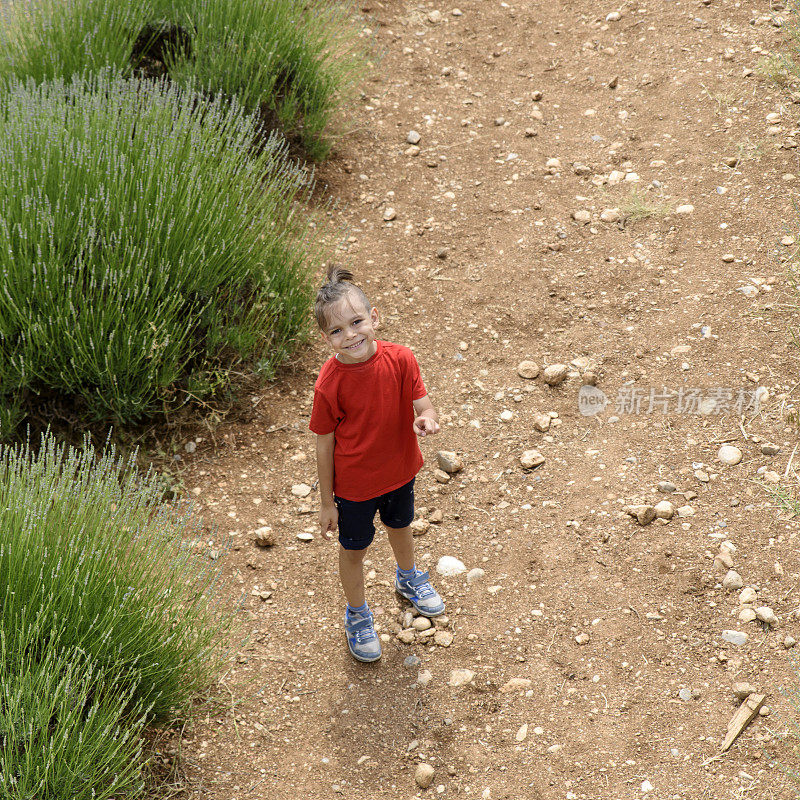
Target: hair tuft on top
(339,286)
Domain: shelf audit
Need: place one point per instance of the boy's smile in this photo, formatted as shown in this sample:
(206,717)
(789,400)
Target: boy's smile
(351,331)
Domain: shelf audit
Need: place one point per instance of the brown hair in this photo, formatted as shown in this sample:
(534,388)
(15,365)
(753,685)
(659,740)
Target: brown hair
(338,286)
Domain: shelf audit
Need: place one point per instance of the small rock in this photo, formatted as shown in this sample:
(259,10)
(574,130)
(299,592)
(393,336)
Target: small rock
(441,476)
(424,677)
(301,490)
(423,775)
(732,581)
(646,787)
(553,163)
(412,661)
(728,258)
(747,615)
(305,536)
(723,561)
(413,137)
(610,215)
(686,208)
(643,513)
(421,623)
(582,638)
(506,415)
(435,16)
(666,487)
(457,12)
(729,455)
(582,216)
(735,637)
(406,636)
(769,449)
(475,575)
(764,711)
(528,369)
(389,214)
(789,642)
(265,536)
(190,446)
(685,511)
(555,374)
(522,734)
(419,527)
(748,595)
(766,615)
(449,461)
(460,677)
(443,638)
(664,510)
(541,422)
(770,476)
(515,685)
(685,695)
(436,516)
(613,16)
(742,690)
(531,459)
(449,566)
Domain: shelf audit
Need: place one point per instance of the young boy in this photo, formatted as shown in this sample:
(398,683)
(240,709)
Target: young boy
(369,402)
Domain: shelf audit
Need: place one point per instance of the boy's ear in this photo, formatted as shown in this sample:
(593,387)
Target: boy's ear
(375,317)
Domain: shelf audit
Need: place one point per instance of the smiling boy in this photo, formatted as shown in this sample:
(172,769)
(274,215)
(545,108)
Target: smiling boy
(370,404)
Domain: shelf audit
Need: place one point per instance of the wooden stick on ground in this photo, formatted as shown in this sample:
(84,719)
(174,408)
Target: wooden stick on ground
(742,718)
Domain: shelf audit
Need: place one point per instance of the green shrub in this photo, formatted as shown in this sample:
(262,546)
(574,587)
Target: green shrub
(145,247)
(106,620)
(290,60)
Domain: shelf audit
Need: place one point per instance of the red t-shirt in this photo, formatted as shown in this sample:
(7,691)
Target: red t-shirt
(368,407)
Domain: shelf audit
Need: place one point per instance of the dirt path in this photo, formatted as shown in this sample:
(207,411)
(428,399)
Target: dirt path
(484,266)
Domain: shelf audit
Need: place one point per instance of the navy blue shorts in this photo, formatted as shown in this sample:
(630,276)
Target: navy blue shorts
(356,518)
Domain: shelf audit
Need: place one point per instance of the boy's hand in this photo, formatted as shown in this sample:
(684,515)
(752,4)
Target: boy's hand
(328,520)
(423,426)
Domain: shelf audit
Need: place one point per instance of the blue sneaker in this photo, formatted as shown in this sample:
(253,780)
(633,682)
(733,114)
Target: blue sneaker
(418,590)
(361,637)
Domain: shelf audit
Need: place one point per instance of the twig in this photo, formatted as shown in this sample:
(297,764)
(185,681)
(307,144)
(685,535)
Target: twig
(791,458)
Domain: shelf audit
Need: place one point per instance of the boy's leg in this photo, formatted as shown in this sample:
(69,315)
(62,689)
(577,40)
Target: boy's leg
(351,573)
(410,582)
(402,544)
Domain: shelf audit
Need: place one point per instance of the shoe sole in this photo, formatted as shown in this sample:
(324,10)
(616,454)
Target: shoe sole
(361,658)
(424,612)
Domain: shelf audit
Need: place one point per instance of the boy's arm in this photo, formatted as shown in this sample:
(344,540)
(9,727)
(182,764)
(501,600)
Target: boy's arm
(427,420)
(328,515)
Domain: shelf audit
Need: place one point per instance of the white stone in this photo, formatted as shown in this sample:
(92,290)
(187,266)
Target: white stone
(766,615)
(665,509)
(424,775)
(531,459)
(475,575)
(413,137)
(450,566)
(527,369)
(686,208)
(748,595)
(301,490)
(522,733)
(555,374)
(460,677)
(730,455)
(732,581)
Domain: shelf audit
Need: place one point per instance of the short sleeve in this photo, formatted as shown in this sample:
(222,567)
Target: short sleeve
(323,418)
(418,389)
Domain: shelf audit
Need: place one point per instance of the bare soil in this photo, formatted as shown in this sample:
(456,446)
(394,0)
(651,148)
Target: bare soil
(482,267)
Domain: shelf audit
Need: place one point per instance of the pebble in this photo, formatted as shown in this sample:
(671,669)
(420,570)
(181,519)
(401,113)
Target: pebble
(457,12)
(265,536)
(610,215)
(301,490)
(553,163)
(666,487)
(531,459)
(644,514)
(686,208)
(423,775)
(582,638)
(732,581)
(460,677)
(613,16)
(747,615)
(421,624)
(449,462)
(766,615)
(735,637)
(305,536)
(723,561)
(499,121)
(190,446)
(450,566)
(541,422)
(582,216)
(474,575)
(770,476)
(664,510)
(747,595)
(406,636)
(728,257)
(789,642)
(742,690)
(522,734)
(412,661)
(419,527)
(441,476)
(506,415)
(555,374)
(413,137)
(424,677)
(435,16)
(443,638)
(515,685)
(764,711)
(685,695)
(769,449)
(646,787)
(685,511)
(528,369)
(730,455)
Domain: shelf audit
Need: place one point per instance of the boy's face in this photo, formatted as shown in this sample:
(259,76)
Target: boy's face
(350,330)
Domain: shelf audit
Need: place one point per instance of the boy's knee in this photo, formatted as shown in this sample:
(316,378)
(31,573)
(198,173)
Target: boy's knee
(353,556)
